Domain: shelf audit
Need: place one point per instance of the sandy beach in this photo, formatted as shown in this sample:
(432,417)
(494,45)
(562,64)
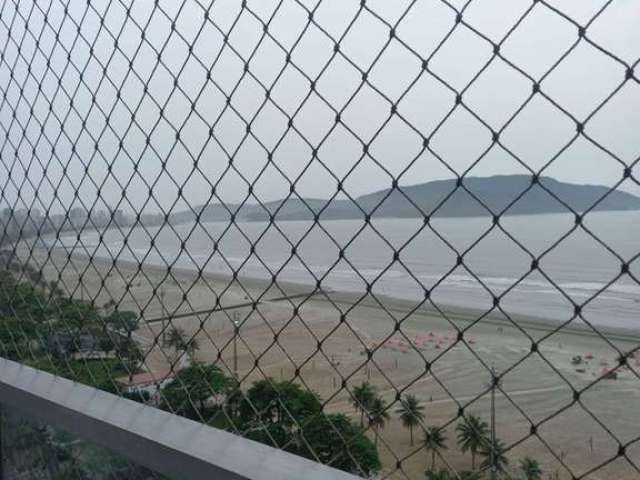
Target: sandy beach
(323,336)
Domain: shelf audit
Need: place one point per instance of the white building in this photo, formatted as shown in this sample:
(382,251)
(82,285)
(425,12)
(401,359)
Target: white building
(150,382)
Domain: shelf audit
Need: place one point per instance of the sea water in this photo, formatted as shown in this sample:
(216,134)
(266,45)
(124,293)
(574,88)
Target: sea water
(466,262)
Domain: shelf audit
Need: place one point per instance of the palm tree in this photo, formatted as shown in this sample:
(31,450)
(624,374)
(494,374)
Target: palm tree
(109,305)
(129,354)
(178,340)
(434,440)
(411,413)
(34,275)
(378,416)
(473,434)
(191,347)
(363,397)
(55,289)
(531,468)
(499,458)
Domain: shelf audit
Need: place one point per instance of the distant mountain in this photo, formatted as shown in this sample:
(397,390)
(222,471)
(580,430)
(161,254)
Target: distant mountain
(443,198)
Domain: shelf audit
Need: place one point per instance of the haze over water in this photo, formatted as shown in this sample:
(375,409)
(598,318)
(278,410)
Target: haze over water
(578,265)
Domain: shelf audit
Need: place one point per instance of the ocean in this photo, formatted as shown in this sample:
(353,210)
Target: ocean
(575,264)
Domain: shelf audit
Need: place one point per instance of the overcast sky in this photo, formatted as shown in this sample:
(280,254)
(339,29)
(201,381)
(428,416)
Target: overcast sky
(45,120)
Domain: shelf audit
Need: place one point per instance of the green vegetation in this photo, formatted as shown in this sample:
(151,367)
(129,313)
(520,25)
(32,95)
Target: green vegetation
(378,416)
(122,321)
(268,401)
(473,434)
(280,414)
(336,441)
(494,451)
(411,413)
(285,415)
(188,393)
(530,469)
(435,440)
(182,344)
(41,327)
(362,398)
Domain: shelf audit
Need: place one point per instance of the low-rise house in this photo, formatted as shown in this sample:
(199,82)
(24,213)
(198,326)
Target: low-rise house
(95,355)
(150,382)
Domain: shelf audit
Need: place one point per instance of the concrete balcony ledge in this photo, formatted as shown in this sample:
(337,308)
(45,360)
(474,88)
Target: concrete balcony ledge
(161,441)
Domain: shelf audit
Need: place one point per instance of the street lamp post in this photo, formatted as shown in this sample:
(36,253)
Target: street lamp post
(164,319)
(494,385)
(235,349)
(493,426)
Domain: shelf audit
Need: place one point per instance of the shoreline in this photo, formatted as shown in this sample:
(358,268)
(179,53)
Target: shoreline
(399,305)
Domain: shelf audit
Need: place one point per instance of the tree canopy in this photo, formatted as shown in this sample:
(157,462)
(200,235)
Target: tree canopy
(271,401)
(188,392)
(334,440)
(285,415)
(530,468)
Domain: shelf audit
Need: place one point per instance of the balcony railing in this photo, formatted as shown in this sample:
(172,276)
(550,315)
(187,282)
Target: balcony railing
(165,443)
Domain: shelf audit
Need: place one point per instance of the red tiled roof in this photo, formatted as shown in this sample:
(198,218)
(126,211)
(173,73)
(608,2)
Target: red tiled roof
(146,378)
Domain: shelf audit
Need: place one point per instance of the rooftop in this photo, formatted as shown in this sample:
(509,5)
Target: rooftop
(146,378)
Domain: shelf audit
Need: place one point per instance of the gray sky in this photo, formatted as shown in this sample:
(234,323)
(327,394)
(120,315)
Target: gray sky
(539,132)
